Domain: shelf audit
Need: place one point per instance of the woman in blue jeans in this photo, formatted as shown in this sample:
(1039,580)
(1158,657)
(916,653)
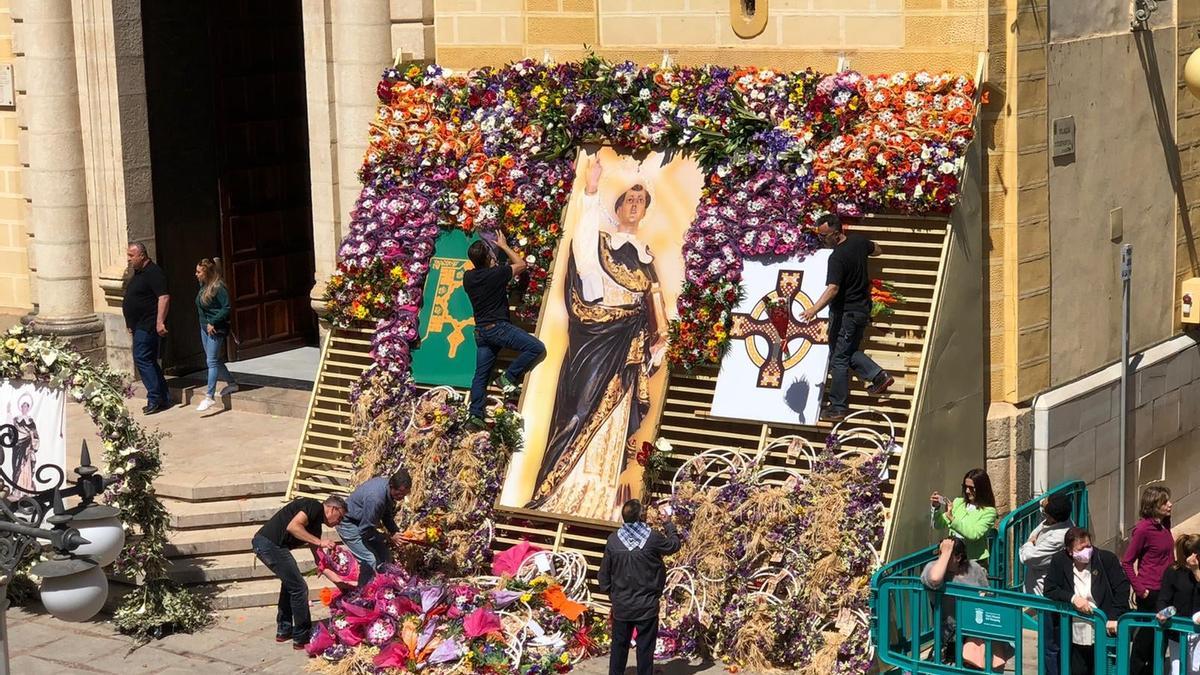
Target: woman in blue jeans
(212,304)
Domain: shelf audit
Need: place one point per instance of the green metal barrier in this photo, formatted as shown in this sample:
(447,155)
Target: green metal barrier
(902,608)
(1004,564)
(1177,630)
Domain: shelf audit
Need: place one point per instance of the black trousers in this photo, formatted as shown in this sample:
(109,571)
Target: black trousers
(647,638)
(1083,659)
(1142,656)
(292,618)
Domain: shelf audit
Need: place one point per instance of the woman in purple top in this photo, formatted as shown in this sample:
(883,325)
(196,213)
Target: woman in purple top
(1152,550)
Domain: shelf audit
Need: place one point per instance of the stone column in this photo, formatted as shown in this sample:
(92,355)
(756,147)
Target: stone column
(52,149)
(347,45)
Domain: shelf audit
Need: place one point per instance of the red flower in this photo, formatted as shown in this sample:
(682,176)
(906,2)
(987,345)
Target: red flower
(643,455)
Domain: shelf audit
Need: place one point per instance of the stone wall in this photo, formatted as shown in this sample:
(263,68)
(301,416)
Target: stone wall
(1076,435)
(875,35)
(14,237)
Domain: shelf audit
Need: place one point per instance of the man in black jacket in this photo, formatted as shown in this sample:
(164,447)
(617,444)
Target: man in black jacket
(633,574)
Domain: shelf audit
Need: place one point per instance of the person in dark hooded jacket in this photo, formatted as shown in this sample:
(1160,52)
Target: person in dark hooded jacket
(633,574)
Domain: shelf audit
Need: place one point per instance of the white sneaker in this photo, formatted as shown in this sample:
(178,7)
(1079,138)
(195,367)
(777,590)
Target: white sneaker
(228,389)
(205,404)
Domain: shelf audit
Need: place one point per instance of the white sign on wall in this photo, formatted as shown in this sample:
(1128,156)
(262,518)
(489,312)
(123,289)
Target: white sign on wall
(776,365)
(33,436)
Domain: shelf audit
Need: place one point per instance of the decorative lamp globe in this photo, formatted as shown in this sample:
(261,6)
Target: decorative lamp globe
(73,589)
(1191,73)
(100,525)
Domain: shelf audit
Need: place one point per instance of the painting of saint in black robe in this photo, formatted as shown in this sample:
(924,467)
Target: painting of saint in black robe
(616,339)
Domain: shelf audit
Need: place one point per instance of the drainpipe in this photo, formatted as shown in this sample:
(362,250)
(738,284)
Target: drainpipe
(1126,275)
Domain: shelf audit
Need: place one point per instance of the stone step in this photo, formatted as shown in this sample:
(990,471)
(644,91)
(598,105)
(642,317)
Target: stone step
(257,593)
(229,512)
(253,398)
(211,541)
(219,540)
(193,488)
(228,567)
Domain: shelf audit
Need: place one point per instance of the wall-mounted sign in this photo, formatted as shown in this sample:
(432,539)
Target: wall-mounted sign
(1063,135)
(8,89)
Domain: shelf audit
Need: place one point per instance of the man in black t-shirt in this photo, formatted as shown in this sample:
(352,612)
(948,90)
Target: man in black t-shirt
(487,287)
(145,308)
(295,525)
(848,294)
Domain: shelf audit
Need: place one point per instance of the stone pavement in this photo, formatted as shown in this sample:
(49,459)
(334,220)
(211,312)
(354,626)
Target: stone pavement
(203,449)
(240,641)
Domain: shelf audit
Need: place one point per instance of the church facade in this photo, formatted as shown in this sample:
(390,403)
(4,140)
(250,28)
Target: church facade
(236,128)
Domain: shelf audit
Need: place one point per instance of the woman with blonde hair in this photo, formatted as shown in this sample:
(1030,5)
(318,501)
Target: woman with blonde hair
(1151,551)
(212,304)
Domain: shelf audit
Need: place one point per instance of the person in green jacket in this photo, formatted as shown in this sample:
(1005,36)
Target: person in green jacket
(212,304)
(971,516)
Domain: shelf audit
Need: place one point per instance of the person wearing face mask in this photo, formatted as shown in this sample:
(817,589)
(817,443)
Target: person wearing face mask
(1036,554)
(1087,578)
(1180,589)
(1150,552)
(971,516)
(848,295)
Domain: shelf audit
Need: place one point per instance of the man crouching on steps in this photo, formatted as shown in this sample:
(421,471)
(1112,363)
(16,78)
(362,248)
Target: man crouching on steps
(293,526)
(634,575)
(370,505)
(487,287)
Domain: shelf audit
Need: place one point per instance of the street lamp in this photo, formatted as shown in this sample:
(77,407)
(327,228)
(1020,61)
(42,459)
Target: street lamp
(74,586)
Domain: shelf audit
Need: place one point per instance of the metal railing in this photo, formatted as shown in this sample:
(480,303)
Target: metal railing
(1004,563)
(1168,636)
(907,622)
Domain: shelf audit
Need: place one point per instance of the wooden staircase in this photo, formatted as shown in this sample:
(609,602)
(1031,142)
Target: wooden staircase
(913,259)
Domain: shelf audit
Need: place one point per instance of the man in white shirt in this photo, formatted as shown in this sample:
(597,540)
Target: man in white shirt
(1036,554)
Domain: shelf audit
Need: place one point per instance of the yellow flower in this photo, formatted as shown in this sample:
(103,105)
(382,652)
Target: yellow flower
(20,348)
(564,658)
(397,272)
(516,208)
(526,597)
(360,312)
(11,343)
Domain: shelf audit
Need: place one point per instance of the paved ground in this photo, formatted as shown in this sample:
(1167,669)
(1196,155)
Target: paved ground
(215,447)
(241,641)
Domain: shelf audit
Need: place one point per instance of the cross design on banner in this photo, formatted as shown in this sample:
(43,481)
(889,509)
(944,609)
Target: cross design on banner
(757,322)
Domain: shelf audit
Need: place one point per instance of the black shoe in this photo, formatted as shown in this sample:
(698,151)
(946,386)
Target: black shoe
(157,409)
(880,384)
(148,410)
(833,415)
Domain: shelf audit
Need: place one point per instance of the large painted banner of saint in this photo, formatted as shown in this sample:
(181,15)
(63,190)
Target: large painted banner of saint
(32,436)
(599,393)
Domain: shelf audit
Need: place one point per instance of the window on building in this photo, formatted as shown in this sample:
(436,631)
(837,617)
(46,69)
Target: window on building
(748,17)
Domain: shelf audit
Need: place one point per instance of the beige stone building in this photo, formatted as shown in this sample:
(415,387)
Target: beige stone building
(235,128)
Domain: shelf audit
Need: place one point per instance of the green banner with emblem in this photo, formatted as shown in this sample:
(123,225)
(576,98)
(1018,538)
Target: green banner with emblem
(447,352)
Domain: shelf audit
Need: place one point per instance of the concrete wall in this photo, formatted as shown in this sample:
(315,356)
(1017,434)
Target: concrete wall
(1185,165)
(1076,435)
(1124,137)
(14,238)
(946,437)
(876,35)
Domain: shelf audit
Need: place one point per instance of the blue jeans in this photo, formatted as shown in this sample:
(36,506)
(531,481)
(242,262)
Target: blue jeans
(845,333)
(145,358)
(212,355)
(368,545)
(489,340)
(292,618)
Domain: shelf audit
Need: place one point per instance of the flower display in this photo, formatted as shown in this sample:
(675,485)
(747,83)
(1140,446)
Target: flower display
(404,623)
(884,298)
(133,459)
(493,150)
(457,472)
(776,576)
